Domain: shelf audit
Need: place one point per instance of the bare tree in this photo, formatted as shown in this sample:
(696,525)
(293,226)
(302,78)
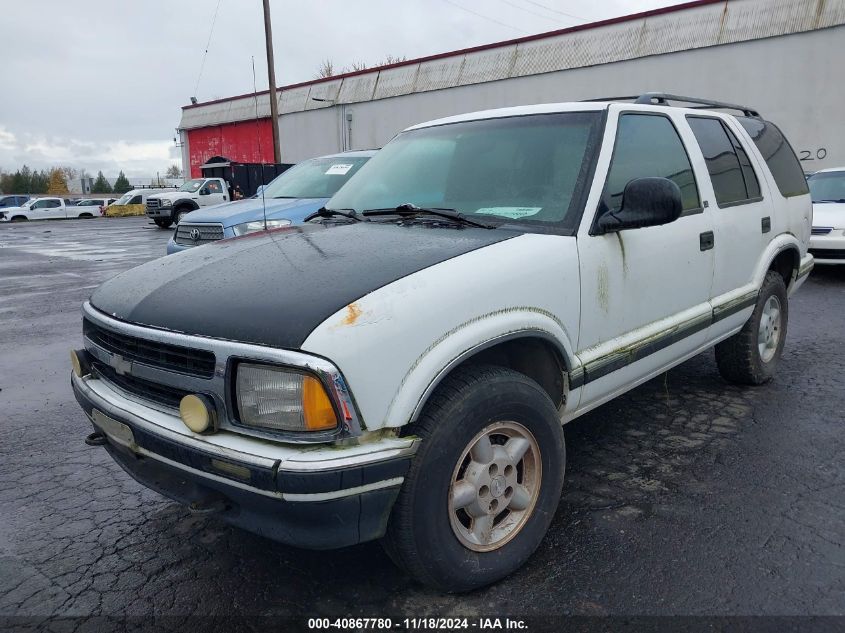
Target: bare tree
(326,69)
(174,171)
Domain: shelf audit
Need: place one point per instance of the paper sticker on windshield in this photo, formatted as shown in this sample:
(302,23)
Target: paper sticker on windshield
(339,170)
(515,213)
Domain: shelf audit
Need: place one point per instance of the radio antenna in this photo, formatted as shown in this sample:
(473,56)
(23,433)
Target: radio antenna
(258,140)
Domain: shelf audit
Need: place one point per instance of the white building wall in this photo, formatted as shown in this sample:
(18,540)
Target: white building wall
(783,57)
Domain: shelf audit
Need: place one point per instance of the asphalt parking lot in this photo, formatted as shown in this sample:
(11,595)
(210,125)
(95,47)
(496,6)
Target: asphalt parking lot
(686,496)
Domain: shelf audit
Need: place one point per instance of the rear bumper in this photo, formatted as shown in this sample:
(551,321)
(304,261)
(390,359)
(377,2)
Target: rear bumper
(318,503)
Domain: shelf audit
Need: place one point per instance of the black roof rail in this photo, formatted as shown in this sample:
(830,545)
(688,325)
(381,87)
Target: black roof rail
(662,98)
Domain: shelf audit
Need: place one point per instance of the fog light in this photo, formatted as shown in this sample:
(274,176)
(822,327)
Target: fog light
(79,362)
(197,413)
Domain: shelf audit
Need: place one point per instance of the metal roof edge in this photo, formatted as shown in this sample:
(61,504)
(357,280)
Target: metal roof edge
(482,47)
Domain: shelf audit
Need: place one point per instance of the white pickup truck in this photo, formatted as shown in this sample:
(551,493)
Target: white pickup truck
(47,209)
(166,208)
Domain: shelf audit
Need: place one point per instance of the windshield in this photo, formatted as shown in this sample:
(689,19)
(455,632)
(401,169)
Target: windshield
(524,168)
(124,199)
(315,178)
(828,185)
(192,185)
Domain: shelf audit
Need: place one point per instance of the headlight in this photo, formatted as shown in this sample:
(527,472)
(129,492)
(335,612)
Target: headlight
(165,203)
(258,225)
(282,399)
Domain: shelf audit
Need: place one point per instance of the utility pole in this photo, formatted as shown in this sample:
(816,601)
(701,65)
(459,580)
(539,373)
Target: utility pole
(271,75)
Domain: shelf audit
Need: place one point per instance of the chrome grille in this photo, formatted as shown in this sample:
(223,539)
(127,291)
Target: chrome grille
(153,203)
(821,230)
(196,234)
(185,360)
(162,394)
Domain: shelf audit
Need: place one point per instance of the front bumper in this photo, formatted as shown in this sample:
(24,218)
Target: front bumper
(317,497)
(159,212)
(830,248)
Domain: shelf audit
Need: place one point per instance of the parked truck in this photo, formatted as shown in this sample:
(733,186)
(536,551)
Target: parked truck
(47,209)
(168,208)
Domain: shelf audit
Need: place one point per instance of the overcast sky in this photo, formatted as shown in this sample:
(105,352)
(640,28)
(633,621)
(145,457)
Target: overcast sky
(98,84)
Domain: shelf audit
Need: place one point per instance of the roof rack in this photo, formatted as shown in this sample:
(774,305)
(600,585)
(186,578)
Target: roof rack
(662,98)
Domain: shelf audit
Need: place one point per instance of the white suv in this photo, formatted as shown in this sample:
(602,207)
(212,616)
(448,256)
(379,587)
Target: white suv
(401,367)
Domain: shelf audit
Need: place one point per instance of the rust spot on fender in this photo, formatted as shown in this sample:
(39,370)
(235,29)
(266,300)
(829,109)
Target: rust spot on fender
(353,313)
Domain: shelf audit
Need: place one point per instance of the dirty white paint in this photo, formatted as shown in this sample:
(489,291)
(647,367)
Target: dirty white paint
(597,296)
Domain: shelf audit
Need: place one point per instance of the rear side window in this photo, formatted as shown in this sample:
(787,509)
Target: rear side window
(733,179)
(648,145)
(135,200)
(782,161)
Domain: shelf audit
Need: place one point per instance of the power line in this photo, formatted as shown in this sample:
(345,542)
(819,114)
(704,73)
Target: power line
(484,17)
(553,10)
(207,44)
(521,8)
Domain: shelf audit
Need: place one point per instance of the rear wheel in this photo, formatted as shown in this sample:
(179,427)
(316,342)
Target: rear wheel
(751,356)
(483,487)
(163,223)
(85,216)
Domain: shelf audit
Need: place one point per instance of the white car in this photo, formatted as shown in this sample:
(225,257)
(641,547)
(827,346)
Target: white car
(401,366)
(47,209)
(827,188)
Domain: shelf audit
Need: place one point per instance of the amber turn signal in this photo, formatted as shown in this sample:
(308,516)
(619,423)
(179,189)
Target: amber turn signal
(317,409)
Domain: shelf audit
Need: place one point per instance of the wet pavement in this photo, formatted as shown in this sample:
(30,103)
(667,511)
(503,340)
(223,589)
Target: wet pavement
(685,496)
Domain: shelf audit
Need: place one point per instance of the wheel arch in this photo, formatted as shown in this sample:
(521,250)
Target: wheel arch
(185,203)
(533,353)
(783,255)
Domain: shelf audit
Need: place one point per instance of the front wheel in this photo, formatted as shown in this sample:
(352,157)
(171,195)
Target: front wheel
(751,356)
(163,224)
(181,213)
(484,486)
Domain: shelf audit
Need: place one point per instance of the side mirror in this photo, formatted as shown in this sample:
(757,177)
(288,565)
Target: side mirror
(645,202)
(204,191)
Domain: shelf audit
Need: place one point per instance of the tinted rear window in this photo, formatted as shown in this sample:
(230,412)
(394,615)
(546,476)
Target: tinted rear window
(730,171)
(782,161)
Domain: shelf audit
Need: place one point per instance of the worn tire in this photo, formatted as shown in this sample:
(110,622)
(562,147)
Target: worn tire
(420,536)
(739,357)
(163,224)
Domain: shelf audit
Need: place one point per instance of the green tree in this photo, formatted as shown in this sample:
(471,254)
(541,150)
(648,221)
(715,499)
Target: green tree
(6,180)
(58,183)
(40,182)
(101,185)
(22,180)
(121,185)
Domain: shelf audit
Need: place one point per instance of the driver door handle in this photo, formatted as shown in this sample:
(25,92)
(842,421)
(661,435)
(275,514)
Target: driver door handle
(706,240)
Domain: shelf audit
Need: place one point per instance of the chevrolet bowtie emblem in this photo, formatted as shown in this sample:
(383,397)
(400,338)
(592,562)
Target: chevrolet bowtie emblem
(120,364)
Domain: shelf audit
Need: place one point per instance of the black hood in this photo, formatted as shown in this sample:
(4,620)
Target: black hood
(275,288)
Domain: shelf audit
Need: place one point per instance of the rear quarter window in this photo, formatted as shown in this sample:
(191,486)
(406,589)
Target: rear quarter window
(778,154)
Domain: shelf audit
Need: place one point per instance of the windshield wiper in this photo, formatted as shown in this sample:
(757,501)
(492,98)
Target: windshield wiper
(323,212)
(840,201)
(409,210)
